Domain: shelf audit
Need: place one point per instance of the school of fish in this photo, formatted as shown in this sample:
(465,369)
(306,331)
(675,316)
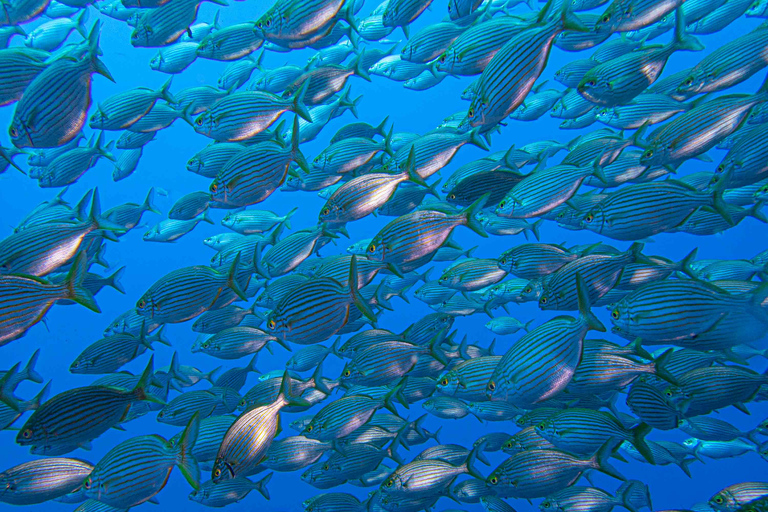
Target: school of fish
(569,396)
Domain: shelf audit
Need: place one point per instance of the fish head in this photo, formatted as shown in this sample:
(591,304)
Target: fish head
(532,291)
(350,374)
(612,16)
(620,315)
(691,444)
(200,495)
(694,82)
(277,324)
(222,470)
(593,87)
(312,430)
(376,250)
(80,365)
(204,123)
(656,154)
(448,383)
(268,24)
(219,191)
(724,500)
(606,115)
(594,220)
(547,429)
(21,132)
(141,35)
(93,485)
(145,306)
(477,112)
(195,165)
(393,484)
(330,212)
(97,119)
(157,62)
(549,299)
(506,206)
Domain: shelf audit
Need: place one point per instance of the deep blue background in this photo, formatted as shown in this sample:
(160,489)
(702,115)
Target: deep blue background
(71,328)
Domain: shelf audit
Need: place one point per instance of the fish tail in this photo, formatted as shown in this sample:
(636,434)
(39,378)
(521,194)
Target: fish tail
(683,40)
(623,495)
(585,308)
(381,127)
(184,458)
(388,141)
(285,396)
(93,52)
(683,464)
(660,367)
(74,284)
(165,92)
(397,394)
(36,402)
(638,441)
(7,155)
(232,278)
(149,202)
(29,371)
(159,338)
(471,215)
(140,391)
(261,485)
(600,459)
(535,229)
(755,211)
(347,13)
(175,370)
(476,139)
(719,204)
(258,264)
(476,452)
(572,22)
(81,21)
(358,300)
(299,107)
(6,397)
(637,349)
(252,364)
(287,219)
(296,153)
(432,189)
(114,280)
(317,378)
(434,347)
(685,264)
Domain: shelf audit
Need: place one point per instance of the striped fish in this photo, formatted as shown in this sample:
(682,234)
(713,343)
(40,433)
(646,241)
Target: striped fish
(525,440)
(421,233)
(131,140)
(537,473)
(18,68)
(431,41)
(348,154)
(227,492)
(571,74)
(744,164)
(249,222)
(121,110)
(541,363)
(203,403)
(689,313)
(230,43)
(136,470)
(61,424)
(294,453)
(385,363)
(42,480)
(254,174)
(498,182)
(212,322)
(620,80)
(716,387)
(434,293)
(720,18)
(734,497)
(210,434)
(165,24)
(542,191)
(583,499)
(24,299)
(242,115)
(308,358)
(628,15)
(276,80)
(645,109)
(600,273)
(642,210)
(212,159)
(584,431)
(53,109)
(345,415)
(322,83)
(727,66)
(530,261)
(712,429)
(109,354)
(471,52)
(316,310)
(246,442)
(279,288)
(287,254)
(472,274)
(234,343)
(468,379)
(174,59)
(572,105)
(659,408)
(700,129)
(186,292)
(512,72)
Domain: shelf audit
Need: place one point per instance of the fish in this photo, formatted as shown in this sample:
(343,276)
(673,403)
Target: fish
(120,111)
(41,480)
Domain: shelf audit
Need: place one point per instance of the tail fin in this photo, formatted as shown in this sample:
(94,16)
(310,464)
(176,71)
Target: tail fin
(297,101)
(149,202)
(184,458)
(660,367)
(175,370)
(476,452)
(6,396)
(261,485)
(600,459)
(95,217)
(165,93)
(683,40)
(232,278)
(287,219)
(29,372)
(358,300)
(81,21)
(470,215)
(74,283)
(638,441)
(719,204)
(317,378)
(296,153)
(158,337)
(93,52)
(359,71)
(114,280)
(634,495)
(685,264)
(380,128)
(585,309)
(39,399)
(285,397)
(140,391)
(476,140)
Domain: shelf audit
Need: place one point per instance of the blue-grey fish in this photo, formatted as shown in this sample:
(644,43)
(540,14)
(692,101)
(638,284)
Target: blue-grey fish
(230,43)
(248,222)
(165,24)
(170,230)
(227,492)
(51,35)
(53,109)
(628,15)
(121,110)
(42,480)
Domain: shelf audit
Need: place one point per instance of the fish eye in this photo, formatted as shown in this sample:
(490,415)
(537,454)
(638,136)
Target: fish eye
(326,466)
(371,248)
(325,211)
(26,434)
(606,18)
(493,480)
(268,23)
(347,373)
(389,483)
(88,482)
(442,59)
(591,83)
(719,500)
(271,324)
(444,382)
(452,196)
(491,386)
(14,132)
(471,113)
(688,81)
(503,261)
(545,504)
(544,299)
(142,304)
(668,393)
(213,188)
(199,121)
(309,428)
(648,153)
(216,473)
(589,218)
(615,314)
(528,289)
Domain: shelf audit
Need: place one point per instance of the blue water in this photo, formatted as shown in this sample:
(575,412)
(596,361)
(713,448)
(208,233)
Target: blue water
(72,328)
